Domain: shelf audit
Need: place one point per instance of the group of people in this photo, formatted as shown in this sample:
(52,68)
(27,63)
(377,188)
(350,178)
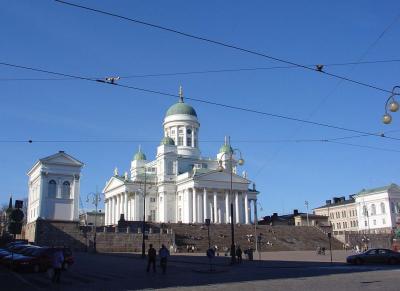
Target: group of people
(191,248)
(152,258)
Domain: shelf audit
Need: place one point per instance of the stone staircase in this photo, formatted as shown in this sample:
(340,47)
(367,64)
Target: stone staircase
(273,238)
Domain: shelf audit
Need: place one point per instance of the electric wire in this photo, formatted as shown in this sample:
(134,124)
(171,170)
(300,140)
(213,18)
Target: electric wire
(306,67)
(205,71)
(233,107)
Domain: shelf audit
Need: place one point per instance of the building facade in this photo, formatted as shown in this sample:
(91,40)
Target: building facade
(341,212)
(92,218)
(378,209)
(374,210)
(180,185)
(54,184)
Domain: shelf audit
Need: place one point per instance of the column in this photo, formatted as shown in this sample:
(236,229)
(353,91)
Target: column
(237,218)
(215,208)
(205,204)
(112,218)
(255,210)
(246,209)
(193,136)
(227,216)
(200,217)
(107,222)
(126,205)
(118,212)
(194,204)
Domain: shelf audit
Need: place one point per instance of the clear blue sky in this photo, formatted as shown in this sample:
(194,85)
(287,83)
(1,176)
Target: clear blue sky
(57,37)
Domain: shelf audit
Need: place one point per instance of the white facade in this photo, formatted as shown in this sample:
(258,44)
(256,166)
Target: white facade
(378,209)
(180,185)
(54,184)
(373,210)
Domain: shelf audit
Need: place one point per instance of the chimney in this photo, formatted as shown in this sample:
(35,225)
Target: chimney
(342,198)
(328,202)
(61,152)
(336,200)
(296,212)
(275,214)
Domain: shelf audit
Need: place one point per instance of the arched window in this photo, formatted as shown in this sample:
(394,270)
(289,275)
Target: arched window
(365,210)
(383,209)
(52,191)
(373,209)
(66,190)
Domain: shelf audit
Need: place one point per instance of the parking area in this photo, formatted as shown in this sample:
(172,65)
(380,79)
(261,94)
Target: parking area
(127,272)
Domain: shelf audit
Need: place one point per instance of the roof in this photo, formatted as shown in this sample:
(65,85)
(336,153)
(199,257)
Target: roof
(167,141)
(311,216)
(225,149)
(340,203)
(139,156)
(181,108)
(378,189)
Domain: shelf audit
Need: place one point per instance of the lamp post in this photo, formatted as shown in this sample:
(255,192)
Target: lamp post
(393,106)
(255,230)
(306,203)
(220,169)
(95,199)
(144,214)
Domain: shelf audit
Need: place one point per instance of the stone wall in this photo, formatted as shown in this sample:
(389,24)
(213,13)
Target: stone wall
(111,239)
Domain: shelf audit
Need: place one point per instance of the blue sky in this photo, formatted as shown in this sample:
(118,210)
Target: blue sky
(56,37)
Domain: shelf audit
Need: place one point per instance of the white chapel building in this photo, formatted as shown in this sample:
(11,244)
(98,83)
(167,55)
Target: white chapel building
(180,185)
(54,185)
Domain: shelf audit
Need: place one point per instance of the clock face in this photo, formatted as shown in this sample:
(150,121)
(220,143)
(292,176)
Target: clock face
(189,131)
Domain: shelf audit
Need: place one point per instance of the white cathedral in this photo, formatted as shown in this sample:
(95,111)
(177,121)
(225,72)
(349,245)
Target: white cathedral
(180,185)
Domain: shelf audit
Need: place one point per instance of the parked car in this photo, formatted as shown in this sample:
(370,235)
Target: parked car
(375,256)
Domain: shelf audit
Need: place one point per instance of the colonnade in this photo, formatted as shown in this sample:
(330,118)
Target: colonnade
(200,204)
(122,203)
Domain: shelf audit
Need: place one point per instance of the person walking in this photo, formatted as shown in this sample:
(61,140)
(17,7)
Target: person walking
(151,258)
(239,254)
(57,262)
(164,254)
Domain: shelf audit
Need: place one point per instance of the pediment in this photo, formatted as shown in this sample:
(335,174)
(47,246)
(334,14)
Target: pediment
(113,183)
(221,177)
(61,158)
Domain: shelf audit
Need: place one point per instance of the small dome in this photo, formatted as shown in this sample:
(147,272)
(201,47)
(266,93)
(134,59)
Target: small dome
(139,156)
(167,141)
(225,149)
(181,108)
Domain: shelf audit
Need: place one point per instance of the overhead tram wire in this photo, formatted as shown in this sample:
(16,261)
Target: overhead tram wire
(333,141)
(231,46)
(216,71)
(233,107)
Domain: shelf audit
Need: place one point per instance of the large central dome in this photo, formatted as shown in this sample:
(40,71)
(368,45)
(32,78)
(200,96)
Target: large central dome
(181,108)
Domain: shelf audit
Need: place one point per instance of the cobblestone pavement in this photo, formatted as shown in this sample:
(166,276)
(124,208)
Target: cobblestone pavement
(191,272)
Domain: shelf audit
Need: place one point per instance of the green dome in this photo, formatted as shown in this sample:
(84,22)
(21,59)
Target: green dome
(181,108)
(139,156)
(226,149)
(167,141)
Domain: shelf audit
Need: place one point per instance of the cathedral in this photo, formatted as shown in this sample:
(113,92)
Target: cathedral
(180,185)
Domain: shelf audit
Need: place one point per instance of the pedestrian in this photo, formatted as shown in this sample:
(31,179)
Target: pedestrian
(164,254)
(239,254)
(151,256)
(57,262)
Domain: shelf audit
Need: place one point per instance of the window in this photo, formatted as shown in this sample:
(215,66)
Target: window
(383,209)
(180,214)
(392,207)
(189,137)
(152,199)
(153,215)
(383,221)
(179,198)
(365,223)
(52,190)
(66,190)
(373,209)
(365,210)
(374,221)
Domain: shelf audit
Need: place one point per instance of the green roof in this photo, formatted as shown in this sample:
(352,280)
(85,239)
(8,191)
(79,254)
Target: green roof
(139,156)
(167,141)
(181,108)
(378,189)
(226,149)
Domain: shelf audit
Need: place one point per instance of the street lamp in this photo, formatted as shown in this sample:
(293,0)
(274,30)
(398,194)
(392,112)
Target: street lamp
(95,199)
(393,106)
(144,213)
(255,230)
(221,169)
(306,203)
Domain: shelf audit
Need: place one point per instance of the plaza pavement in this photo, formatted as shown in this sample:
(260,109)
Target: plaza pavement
(277,271)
